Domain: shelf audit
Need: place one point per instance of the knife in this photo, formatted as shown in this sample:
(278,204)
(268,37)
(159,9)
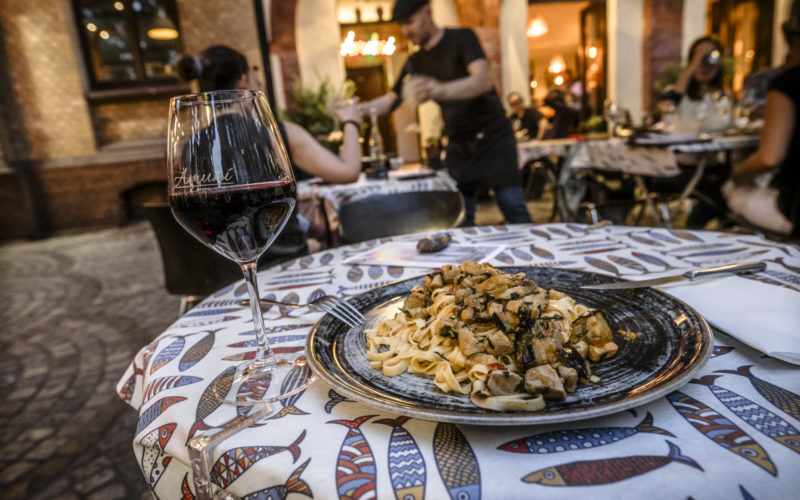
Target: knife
(750,267)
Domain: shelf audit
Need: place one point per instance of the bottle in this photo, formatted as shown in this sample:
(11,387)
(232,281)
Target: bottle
(377,158)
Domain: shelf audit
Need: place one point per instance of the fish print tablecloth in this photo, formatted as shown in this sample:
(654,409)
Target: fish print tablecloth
(733,432)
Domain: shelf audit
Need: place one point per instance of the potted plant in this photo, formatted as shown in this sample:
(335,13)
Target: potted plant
(314,109)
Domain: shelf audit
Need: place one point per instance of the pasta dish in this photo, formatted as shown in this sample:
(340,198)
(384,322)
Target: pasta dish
(500,338)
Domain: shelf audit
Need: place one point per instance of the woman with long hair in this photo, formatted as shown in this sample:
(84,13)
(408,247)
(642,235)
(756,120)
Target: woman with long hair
(698,103)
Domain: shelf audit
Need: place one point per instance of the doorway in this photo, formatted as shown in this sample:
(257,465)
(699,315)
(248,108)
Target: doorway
(371,83)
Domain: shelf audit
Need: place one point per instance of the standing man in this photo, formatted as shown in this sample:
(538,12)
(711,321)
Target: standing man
(451,69)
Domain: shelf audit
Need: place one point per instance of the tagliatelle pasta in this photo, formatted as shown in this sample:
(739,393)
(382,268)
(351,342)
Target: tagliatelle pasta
(500,338)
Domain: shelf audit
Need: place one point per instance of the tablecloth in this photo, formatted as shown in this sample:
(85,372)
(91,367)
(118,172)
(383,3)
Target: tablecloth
(731,433)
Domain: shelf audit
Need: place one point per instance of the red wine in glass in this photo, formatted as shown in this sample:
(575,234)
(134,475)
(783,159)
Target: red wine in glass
(239,222)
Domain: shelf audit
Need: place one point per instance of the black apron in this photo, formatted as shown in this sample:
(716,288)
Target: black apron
(484,159)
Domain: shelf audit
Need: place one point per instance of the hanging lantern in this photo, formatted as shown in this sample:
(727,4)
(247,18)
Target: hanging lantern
(537,27)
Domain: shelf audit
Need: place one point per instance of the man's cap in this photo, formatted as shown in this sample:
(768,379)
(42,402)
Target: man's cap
(403,9)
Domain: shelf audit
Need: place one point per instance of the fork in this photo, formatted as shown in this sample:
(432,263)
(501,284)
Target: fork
(332,305)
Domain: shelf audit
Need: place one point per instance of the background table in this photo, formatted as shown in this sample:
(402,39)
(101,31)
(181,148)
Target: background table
(732,434)
(617,155)
(319,202)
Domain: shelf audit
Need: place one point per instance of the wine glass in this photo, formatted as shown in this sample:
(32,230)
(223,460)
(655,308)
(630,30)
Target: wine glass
(611,113)
(231,186)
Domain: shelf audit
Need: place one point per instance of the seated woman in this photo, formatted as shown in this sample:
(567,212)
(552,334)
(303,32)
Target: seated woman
(777,207)
(221,68)
(697,103)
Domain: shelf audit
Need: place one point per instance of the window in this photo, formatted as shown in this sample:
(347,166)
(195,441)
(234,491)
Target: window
(128,43)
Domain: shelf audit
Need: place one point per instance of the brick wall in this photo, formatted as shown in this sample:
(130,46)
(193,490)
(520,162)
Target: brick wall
(229,22)
(56,195)
(50,133)
(130,120)
(45,71)
(44,74)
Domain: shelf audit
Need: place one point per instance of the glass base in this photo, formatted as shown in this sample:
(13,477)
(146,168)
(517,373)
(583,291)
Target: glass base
(257,383)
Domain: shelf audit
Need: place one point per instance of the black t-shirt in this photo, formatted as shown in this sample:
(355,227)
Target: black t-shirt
(529,121)
(448,61)
(787,180)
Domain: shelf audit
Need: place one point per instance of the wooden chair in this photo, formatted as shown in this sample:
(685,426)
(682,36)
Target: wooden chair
(191,269)
(400,213)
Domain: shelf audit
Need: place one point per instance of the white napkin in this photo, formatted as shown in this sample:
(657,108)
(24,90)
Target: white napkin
(765,317)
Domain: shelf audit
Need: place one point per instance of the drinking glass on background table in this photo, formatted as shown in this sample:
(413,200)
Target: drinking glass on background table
(613,116)
(231,186)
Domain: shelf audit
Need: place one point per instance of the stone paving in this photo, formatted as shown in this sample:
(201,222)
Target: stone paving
(74,311)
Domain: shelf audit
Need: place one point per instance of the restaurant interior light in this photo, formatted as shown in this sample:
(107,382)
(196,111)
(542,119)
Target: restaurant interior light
(537,26)
(104,35)
(559,80)
(351,47)
(557,64)
(91,27)
(119,6)
(162,28)
(592,52)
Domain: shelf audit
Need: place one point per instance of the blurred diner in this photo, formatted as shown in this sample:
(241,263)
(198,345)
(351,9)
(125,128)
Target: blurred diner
(698,103)
(765,188)
(219,67)
(561,119)
(524,120)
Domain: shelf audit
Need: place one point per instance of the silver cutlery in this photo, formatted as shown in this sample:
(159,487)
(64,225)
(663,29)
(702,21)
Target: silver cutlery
(750,267)
(336,307)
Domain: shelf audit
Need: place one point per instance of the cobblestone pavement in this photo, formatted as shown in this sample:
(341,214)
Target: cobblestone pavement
(74,310)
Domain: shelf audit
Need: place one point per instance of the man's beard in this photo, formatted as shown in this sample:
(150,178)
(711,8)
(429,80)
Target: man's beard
(425,38)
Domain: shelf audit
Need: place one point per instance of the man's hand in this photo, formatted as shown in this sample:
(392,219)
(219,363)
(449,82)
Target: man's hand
(422,88)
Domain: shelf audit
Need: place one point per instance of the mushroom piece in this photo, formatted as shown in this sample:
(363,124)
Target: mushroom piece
(502,382)
(545,381)
(547,350)
(594,330)
(498,344)
(480,358)
(467,342)
(569,376)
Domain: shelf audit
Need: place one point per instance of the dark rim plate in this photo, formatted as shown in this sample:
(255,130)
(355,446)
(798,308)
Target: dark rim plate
(674,341)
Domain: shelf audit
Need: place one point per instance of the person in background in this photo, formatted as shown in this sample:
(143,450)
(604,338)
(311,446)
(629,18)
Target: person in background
(776,207)
(219,67)
(698,90)
(524,121)
(562,119)
(451,69)
(697,103)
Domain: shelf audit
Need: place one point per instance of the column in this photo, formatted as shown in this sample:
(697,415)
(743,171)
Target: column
(625,21)
(514,48)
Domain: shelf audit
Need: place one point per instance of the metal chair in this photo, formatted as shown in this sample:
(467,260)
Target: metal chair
(191,269)
(400,213)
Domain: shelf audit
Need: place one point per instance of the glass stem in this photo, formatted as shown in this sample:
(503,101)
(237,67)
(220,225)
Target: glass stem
(263,352)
